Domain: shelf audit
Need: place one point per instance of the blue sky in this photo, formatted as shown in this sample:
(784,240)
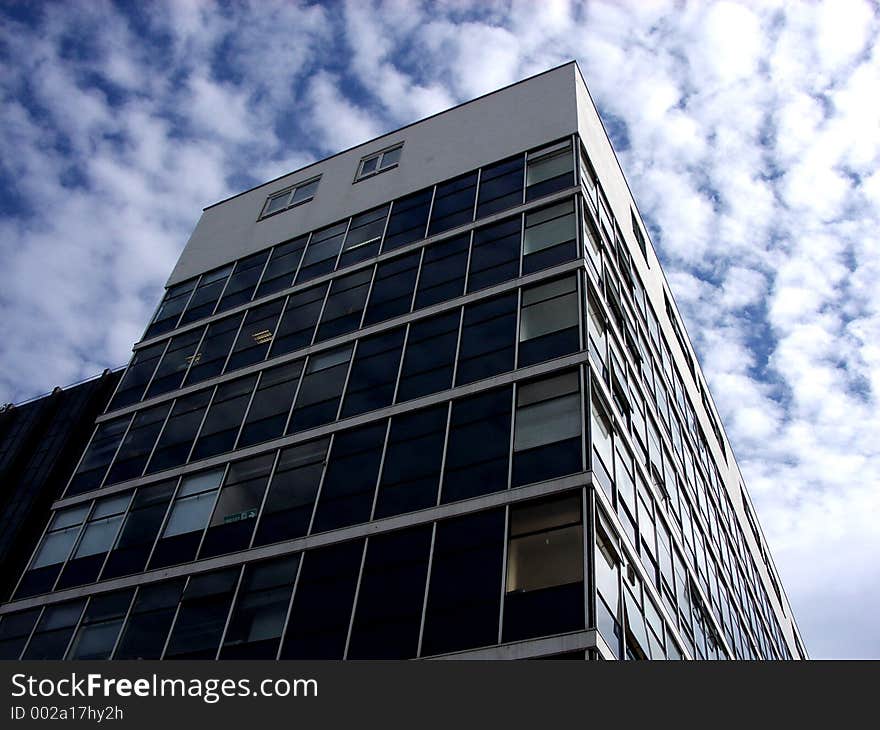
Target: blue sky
(750,133)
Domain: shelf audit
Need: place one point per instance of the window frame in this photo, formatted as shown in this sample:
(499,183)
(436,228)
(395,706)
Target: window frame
(289,193)
(379,157)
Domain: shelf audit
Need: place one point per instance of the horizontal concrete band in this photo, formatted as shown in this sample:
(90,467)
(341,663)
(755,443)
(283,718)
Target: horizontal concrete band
(530,648)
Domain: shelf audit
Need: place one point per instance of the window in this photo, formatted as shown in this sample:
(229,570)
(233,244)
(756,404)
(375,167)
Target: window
(347,492)
(466,575)
(373,373)
(291,499)
(488,339)
(545,569)
(298,321)
(282,266)
(204,299)
(549,169)
(90,472)
(345,304)
(501,186)
(267,415)
(150,619)
(255,627)
(550,237)
(189,514)
(180,431)
(181,353)
(219,431)
(322,605)
(323,248)
(379,162)
(601,438)
(15,628)
(53,551)
(430,356)
(214,349)
(202,615)
(172,305)
(100,626)
(637,232)
(408,220)
(132,549)
(495,254)
(243,281)
(289,197)
(95,542)
(321,389)
(255,337)
(443,271)
(548,325)
(363,237)
(411,470)
(392,592)
(138,444)
(238,503)
(392,290)
(53,632)
(453,203)
(138,374)
(607,589)
(479,441)
(547,439)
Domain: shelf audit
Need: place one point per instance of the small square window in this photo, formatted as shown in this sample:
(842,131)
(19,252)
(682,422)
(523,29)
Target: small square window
(289,197)
(378,162)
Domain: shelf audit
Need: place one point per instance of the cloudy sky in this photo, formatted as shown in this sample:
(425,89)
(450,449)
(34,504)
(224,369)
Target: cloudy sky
(750,134)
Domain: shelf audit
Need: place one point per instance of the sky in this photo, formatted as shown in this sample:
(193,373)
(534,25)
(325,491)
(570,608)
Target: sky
(749,133)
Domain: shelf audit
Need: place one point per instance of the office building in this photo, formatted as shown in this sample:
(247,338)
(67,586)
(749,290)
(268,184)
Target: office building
(428,397)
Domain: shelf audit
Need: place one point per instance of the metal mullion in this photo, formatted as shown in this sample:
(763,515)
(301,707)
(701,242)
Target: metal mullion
(369,293)
(164,522)
(83,454)
(525,177)
(357,592)
(412,301)
(265,497)
(385,227)
(262,274)
(321,312)
(512,437)
(344,392)
(201,424)
(211,513)
(519,309)
(284,303)
(381,469)
(447,432)
(35,549)
(167,418)
(467,265)
(476,194)
(76,627)
(125,514)
(300,378)
(427,588)
(125,619)
(430,211)
(327,456)
(522,243)
(232,607)
(458,344)
(244,315)
(298,266)
(341,243)
(589,520)
(118,448)
(506,548)
(76,542)
(31,633)
(586,439)
(403,347)
(247,408)
(225,285)
(156,368)
(174,619)
(289,611)
(185,306)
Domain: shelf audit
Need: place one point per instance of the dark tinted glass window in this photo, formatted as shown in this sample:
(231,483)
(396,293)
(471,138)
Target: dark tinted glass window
(291,499)
(389,606)
(54,630)
(224,418)
(411,471)
(547,437)
(373,373)
(548,325)
(213,351)
(179,432)
(268,411)
(501,186)
(488,339)
(392,290)
(150,619)
(54,549)
(430,356)
(465,581)
(299,319)
(495,254)
(139,372)
(350,482)
(550,237)
(320,256)
(363,237)
(409,217)
(15,628)
(243,281)
(453,203)
(180,354)
(443,271)
(202,615)
(238,503)
(138,443)
(90,472)
(545,569)
(100,626)
(549,170)
(321,389)
(139,530)
(345,304)
(254,339)
(282,266)
(95,541)
(479,438)
(169,310)
(205,297)
(323,601)
(255,627)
